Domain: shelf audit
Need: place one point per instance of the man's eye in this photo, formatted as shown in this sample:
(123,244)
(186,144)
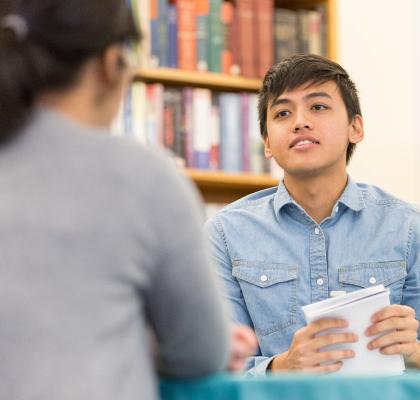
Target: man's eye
(282,114)
(319,107)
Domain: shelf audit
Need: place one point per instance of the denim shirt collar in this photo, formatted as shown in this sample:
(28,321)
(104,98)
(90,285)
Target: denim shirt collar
(352,197)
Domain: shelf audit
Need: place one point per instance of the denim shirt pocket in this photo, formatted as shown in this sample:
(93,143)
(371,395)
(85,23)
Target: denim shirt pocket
(269,291)
(389,273)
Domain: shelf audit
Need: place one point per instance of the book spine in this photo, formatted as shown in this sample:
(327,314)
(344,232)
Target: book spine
(163,33)
(230,128)
(303,32)
(139,110)
(168,119)
(202,22)
(201,132)
(314,32)
(187,126)
(127,113)
(215,134)
(264,11)
(172,37)
(215,36)
(234,44)
(245,9)
(187,46)
(256,146)
(227,32)
(143,17)
(245,131)
(154,33)
(286,33)
(179,137)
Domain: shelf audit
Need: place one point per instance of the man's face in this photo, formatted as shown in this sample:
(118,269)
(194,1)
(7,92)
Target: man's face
(309,131)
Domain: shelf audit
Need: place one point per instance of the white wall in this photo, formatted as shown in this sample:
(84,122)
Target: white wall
(379,45)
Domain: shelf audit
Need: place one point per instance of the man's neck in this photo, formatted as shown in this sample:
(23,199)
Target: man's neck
(316,195)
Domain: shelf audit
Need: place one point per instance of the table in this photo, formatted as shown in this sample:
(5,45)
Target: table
(293,387)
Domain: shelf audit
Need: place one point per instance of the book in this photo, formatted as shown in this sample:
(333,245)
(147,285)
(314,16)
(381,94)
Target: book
(227,15)
(172,36)
(201,108)
(357,308)
(264,49)
(215,36)
(202,35)
(187,31)
(246,37)
(230,132)
(285,33)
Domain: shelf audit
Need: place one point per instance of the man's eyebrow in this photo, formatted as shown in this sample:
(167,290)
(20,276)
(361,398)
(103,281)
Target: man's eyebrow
(317,94)
(309,96)
(279,101)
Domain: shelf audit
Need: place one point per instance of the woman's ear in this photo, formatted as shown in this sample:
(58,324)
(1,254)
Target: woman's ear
(356,132)
(113,65)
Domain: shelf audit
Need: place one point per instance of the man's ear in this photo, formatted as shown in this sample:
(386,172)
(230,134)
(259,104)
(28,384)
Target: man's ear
(267,148)
(356,132)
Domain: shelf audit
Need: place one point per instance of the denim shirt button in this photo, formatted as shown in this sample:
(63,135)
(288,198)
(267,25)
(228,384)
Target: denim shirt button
(320,282)
(264,278)
(316,231)
(372,280)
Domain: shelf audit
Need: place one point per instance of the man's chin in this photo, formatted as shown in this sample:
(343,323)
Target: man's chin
(304,172)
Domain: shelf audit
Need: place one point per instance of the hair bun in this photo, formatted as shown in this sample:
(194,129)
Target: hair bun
(16,25)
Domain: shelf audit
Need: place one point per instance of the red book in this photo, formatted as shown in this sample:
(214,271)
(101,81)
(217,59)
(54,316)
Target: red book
(264,21)
(227,22)
(187,46)
(246,35)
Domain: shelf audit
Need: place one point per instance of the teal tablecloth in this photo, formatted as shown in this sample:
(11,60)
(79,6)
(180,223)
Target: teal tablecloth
(294,387)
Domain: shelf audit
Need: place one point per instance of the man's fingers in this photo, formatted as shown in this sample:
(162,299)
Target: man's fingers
(394,310)
(392,338)
(324,324)
(324,369)
(333,338)
(398,348)
(392,324)
(334,355)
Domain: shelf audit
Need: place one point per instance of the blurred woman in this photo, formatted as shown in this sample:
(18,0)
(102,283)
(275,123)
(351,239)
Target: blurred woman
(99,238)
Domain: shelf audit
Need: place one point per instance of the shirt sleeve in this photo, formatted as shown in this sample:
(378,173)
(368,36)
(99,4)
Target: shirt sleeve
(185,306)
(256,365)
(411,290)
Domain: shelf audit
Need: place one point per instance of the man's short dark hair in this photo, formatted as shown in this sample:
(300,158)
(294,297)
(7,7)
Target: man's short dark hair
(298,70)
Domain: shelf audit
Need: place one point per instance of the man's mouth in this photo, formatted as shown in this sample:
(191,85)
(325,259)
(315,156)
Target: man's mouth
(301,143)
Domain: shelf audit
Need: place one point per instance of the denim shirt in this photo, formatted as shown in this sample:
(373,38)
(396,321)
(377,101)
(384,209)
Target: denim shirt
(274,258)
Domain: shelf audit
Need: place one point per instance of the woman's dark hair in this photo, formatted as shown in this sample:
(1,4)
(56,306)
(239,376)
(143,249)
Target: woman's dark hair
(303,69)
(47,46)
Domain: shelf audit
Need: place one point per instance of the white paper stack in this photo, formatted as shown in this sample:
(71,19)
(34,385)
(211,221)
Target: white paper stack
(357,308)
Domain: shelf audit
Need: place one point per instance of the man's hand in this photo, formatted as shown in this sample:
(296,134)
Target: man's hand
(244,344)
(304,353)
(399,327)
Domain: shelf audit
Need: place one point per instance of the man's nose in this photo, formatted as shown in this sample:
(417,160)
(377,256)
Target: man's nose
(301,123)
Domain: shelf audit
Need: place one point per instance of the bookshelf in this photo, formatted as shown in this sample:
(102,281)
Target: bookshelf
(222,187)
(176,77)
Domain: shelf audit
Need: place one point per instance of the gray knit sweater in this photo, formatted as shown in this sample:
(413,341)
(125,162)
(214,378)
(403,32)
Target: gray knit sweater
(100,240)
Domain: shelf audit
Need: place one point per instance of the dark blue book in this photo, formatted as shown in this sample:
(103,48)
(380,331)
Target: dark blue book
(163,33)
(172,37)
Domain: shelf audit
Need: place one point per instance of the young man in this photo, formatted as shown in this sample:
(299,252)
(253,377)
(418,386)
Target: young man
(318,231)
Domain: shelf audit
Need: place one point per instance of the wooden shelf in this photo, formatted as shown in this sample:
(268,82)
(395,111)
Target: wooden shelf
(198,79)
(222,187)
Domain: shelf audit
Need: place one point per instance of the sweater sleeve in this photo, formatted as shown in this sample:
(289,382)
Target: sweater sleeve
(185,306)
